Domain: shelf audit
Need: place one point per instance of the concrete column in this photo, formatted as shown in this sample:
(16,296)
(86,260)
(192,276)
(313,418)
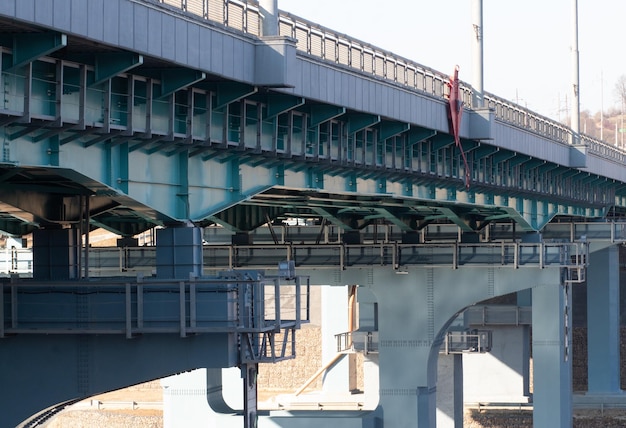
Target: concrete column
(502,374)
(179,252)
(336,380)
(552,360)
(603,327)
(450,391)
(269,10)
(524,298)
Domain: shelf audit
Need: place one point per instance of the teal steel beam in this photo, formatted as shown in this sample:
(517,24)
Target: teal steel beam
(518,160)
(388,129)
(321,113)
(53,151)
(455,218)
(484,151)
(175,79)
(182,196)
(356,122)
(567,173)
(31,46)
(123,167)
(229,92)
(24,132)
(332,217)
(417,135)
(53,132)
(146,142)
(226,225)
(108,65)
(281,103)
(502,155)
(77,135)
(533,163)
(440,141)
(547,167)
(101,138)
(520,220)
(393,218)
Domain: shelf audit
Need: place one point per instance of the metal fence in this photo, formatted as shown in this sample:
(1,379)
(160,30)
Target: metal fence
(344,50)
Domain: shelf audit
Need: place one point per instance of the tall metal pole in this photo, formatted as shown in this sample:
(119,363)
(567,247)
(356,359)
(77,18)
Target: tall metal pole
(269,11)
(575,120)
(477,54)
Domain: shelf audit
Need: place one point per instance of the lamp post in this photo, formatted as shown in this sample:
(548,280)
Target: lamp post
(477,54)
(575,121)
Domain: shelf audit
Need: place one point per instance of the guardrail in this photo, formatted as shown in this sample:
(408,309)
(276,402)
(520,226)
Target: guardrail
(326,44)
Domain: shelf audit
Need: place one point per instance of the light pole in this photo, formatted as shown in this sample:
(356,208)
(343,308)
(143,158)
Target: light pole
(477,54)
(575,122)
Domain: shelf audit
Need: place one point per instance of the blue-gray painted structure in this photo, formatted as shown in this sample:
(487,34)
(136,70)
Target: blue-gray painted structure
(129,114)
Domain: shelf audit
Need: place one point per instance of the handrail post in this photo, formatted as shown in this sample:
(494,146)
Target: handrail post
(298,302)
(192,301)
(183,312)
(1,310)
(13,302)
(127,292)
(455,256)
(277,320)
(139,301)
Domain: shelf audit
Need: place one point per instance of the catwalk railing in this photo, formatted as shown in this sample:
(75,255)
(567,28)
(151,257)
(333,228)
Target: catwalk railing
(113,260)
(341,49)
(396,255)
(263,312)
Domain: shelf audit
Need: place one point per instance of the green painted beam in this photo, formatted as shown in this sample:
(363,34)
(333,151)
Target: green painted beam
(321,113)
(229,92)
(533,163)
(330,214)
(281,103)
(451,215)
(175,79)
(547,167)
(502,155)
(388,129)
(518,160)
(110,64)
(440,141)
(417,135)
(356,122)
(182,195)
(29,47)
(394,218)
(484,151)
(567,173)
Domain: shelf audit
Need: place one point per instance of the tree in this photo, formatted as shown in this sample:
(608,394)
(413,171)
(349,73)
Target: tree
(620,90)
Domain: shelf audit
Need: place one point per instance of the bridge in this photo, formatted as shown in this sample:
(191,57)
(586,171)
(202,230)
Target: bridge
(199,116)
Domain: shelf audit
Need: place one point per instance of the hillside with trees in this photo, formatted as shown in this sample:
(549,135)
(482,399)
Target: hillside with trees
(610,125)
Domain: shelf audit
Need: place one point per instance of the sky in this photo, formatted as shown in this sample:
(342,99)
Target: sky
(527,44)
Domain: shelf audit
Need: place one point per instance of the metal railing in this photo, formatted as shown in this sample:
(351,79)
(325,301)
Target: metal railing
(326,44)
(469,341)
(107,261)
(365,342)
(253,308)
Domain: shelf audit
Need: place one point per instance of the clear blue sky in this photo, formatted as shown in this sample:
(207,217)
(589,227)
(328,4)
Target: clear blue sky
(527,44)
